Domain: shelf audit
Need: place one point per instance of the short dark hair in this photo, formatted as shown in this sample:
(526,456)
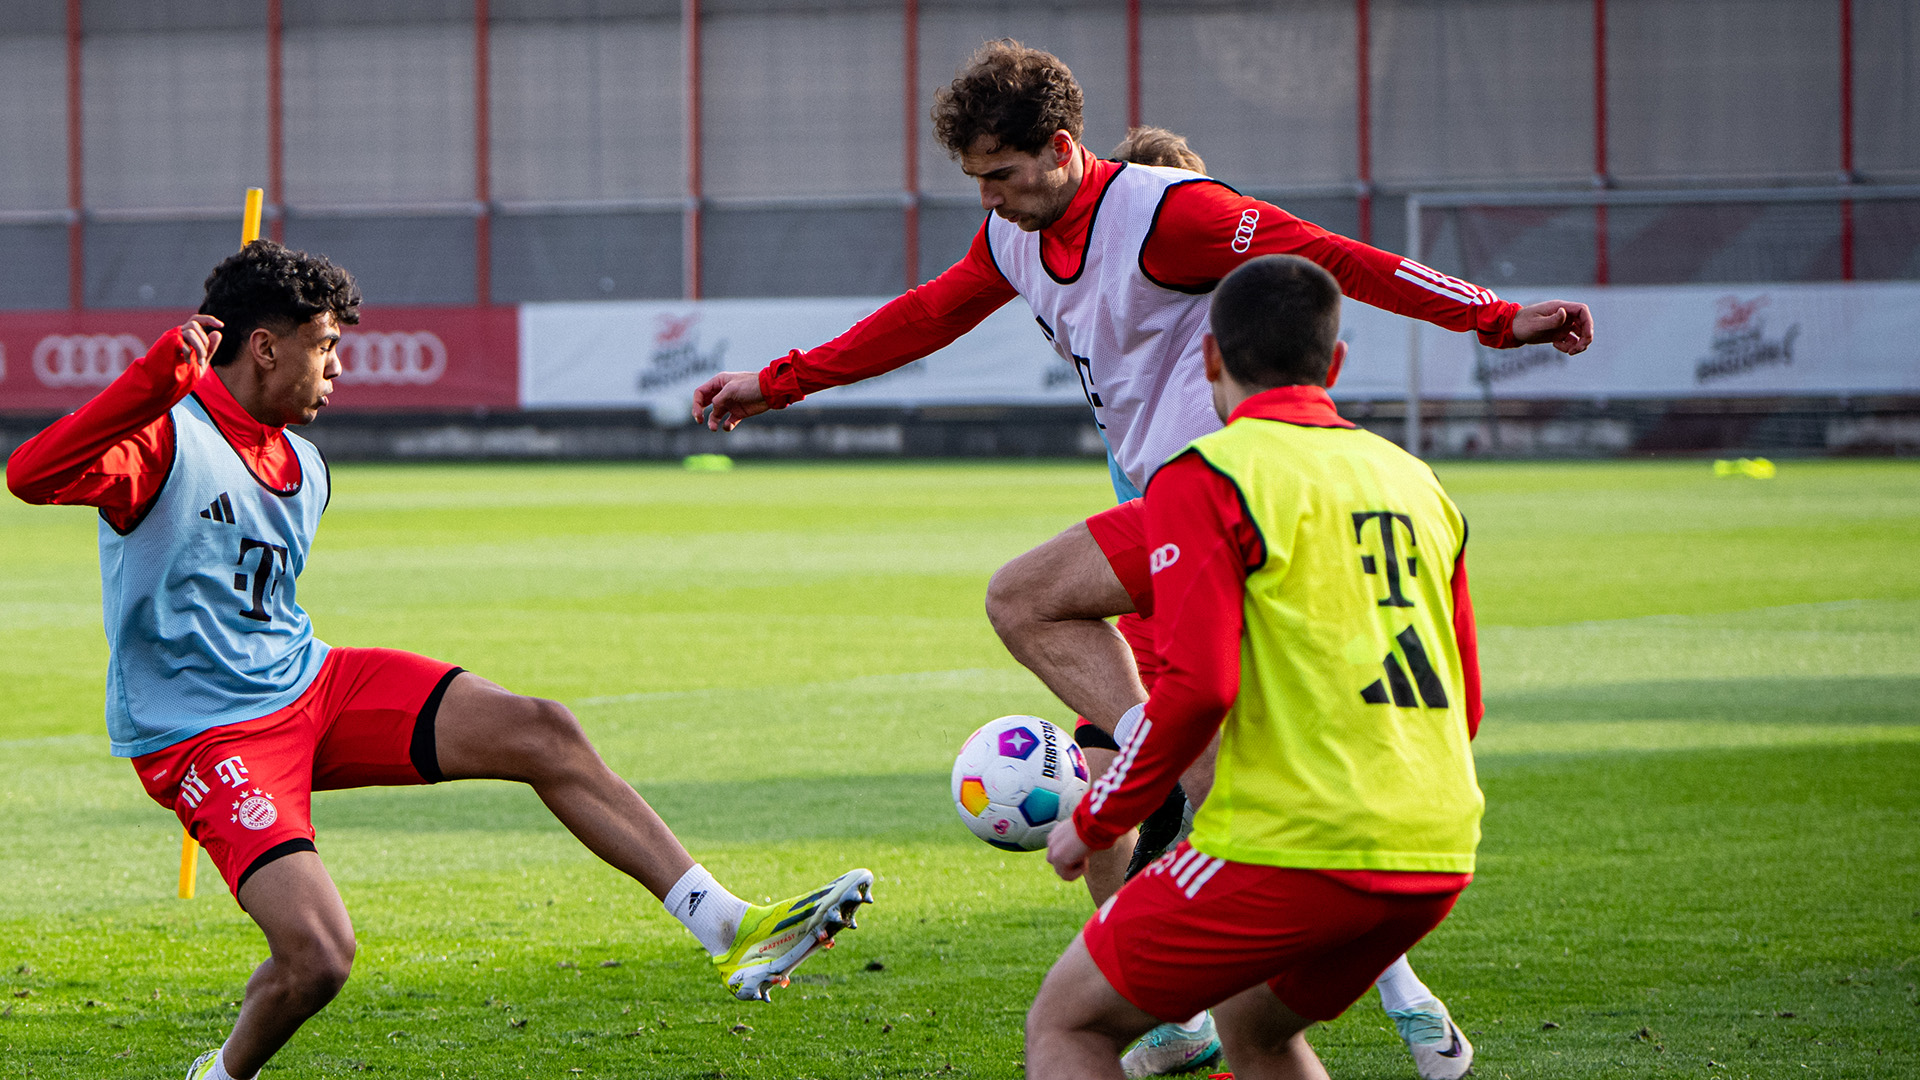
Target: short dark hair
(1014,95)
(265,284)
(1276,319)
(1148,145)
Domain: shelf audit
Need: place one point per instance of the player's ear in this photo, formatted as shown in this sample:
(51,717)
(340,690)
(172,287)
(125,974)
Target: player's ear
(1062,146)
(1216,364)
(1334,365)
(260,345)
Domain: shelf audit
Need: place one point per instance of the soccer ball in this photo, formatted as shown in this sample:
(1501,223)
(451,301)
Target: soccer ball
(1015,778)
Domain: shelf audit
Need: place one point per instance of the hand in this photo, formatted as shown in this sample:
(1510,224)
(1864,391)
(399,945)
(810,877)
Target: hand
(201,334)
(728,398)
(1066,852)
(1568,326)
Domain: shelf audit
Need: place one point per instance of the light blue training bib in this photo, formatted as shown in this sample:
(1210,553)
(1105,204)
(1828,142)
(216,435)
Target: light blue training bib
(198,596)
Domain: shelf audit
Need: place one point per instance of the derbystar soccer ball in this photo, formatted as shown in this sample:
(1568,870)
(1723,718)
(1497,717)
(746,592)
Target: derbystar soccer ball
(1015,778)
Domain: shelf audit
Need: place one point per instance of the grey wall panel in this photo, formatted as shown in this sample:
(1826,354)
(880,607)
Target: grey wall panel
(1486,91)
(154,264)
(946,230)
(1886,88)
(379,114)
(1090,39)
(33,267)
(803,253)
(1888,240)
(175,119)
(1265,93)
(33,122)
(586,257)
(588,110)
(398,260)
(801,104)
(1724,89)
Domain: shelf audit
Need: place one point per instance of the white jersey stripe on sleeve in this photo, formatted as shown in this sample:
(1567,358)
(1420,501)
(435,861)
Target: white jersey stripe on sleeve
(1213,868)
(1116,775)
(1439,282)
(1435,287)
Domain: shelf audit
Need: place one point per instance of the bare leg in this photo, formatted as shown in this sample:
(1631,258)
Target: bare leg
(310,952)
(1264,1039)
(1079,1024)
(1107,870)
(1050,608)
(484,732)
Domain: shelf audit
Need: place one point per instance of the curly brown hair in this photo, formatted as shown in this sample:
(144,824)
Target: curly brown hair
(1158,146)
(1014,95)
(265,284)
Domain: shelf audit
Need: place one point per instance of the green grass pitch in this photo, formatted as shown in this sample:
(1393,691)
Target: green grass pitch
(1702,764)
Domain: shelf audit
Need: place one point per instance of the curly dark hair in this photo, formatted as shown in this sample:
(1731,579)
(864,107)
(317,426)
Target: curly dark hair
(1158,146)
(265,284)
(1014,95)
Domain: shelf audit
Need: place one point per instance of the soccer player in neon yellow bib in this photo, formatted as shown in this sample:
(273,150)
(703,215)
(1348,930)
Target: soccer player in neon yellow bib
(1308,587)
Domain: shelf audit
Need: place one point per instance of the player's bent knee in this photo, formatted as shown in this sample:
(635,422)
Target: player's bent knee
(319,971)
(1011,598)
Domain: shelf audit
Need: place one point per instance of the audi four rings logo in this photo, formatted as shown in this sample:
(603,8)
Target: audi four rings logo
(1243,236)
(415,358)
(84,359)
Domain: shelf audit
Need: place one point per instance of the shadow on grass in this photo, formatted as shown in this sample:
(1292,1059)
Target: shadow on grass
(1876,699)
(905,807)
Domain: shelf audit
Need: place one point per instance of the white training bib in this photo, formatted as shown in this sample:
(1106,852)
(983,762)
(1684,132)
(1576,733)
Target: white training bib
(1134,342)
(202,625)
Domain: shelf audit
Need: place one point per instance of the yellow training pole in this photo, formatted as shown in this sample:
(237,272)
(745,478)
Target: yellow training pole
(190,851)
(250,224)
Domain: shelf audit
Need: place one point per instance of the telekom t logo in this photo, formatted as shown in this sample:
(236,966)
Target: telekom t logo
(233,771)
(1384,521)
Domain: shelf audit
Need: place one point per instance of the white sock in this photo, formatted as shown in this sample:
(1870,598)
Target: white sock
(710,912)
(1193,1025)
(1400,988)
(220,1068)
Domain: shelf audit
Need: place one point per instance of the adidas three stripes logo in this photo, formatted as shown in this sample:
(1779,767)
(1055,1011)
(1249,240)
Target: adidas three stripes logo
(220,510)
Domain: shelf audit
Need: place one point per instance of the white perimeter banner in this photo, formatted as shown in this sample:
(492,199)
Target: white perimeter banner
(651,354)
(1669,341)
(1652,341)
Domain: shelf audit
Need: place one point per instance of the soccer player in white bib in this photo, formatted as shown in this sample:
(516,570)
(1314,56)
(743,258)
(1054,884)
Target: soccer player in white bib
(234,713)
(1116,262)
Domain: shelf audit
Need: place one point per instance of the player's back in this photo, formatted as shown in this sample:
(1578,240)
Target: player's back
(1348,744)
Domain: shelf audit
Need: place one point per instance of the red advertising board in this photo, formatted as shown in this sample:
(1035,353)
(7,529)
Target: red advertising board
(397,358)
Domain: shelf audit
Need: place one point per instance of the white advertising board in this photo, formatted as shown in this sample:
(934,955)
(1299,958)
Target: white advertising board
(1668,341)
(651,354)
(1665,341)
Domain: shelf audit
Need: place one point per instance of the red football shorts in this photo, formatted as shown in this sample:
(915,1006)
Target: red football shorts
(245,790)
(1191,931)
(1121,534)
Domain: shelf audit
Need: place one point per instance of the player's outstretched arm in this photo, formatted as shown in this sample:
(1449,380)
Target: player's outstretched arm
(107,453)
(1565,325)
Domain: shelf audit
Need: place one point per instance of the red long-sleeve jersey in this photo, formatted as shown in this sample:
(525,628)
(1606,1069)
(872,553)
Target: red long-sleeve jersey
(116,451)
(1198,613)
(1203,232)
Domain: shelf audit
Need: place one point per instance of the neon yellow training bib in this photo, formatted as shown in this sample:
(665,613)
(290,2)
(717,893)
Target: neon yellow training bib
(1347,747)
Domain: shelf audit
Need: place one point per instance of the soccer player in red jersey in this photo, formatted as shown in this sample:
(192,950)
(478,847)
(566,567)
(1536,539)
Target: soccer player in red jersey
(233,713)
(1116,261)
(1308,586)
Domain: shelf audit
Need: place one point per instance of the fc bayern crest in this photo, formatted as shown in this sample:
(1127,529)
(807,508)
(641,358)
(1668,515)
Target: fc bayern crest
(256,811)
